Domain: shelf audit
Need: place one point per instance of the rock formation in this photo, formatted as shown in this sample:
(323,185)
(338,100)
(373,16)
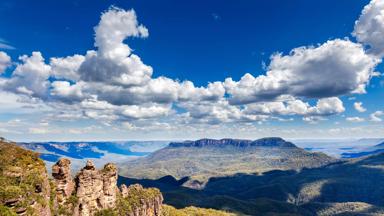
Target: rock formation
(63,180)
(96,189)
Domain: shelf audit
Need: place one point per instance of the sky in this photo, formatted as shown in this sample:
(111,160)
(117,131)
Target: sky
(165,70)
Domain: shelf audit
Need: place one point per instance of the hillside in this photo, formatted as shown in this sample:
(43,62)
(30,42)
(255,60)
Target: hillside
(202,159)
(24,185)
(351,187)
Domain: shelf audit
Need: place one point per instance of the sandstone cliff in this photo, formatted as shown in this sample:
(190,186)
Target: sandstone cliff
(63,180)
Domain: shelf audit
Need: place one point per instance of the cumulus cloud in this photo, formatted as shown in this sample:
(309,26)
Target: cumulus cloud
(64,90)
(212,113)
(67,68)
(5,61)
(369,28)
(359,107)
(30,77)
(143,112)
(112,83)
(337,67)
(376,116)
(113,62)
(324,107)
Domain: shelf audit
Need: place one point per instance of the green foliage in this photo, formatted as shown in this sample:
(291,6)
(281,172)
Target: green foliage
(133,200)
(107,212)
(5,211)
(192,211)
(21,174)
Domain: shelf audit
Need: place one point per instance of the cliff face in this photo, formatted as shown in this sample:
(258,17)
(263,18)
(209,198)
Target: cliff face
(61,174)
(239,143)
(25,189)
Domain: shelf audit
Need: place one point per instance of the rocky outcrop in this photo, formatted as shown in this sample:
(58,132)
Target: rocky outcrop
(110,189)
(61,173)
(96,189)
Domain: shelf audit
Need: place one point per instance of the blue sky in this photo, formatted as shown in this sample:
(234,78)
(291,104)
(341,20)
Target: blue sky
(197,41)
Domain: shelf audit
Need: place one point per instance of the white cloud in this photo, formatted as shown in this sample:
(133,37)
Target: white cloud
(359,107)
(30,77)
(369,28)
(113,62)
(114,27)
(313,119)
(67,68)
(337,67)
(355,119)
(143,112)
(324,107)
(113,86)
(66,91)
(376,116)
(213,92)
(327,106)
(5,61)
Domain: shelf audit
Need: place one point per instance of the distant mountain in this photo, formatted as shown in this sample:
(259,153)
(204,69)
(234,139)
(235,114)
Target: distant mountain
(340,148)
(372,150)
(206,158)
(239,143)
(349,187)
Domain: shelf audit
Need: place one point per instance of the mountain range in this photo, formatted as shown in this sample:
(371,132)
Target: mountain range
(202,159)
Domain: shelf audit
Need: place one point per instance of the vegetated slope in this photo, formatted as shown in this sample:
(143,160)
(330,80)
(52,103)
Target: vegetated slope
(192,211)
(206,158)
(24,185)
(351,187)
